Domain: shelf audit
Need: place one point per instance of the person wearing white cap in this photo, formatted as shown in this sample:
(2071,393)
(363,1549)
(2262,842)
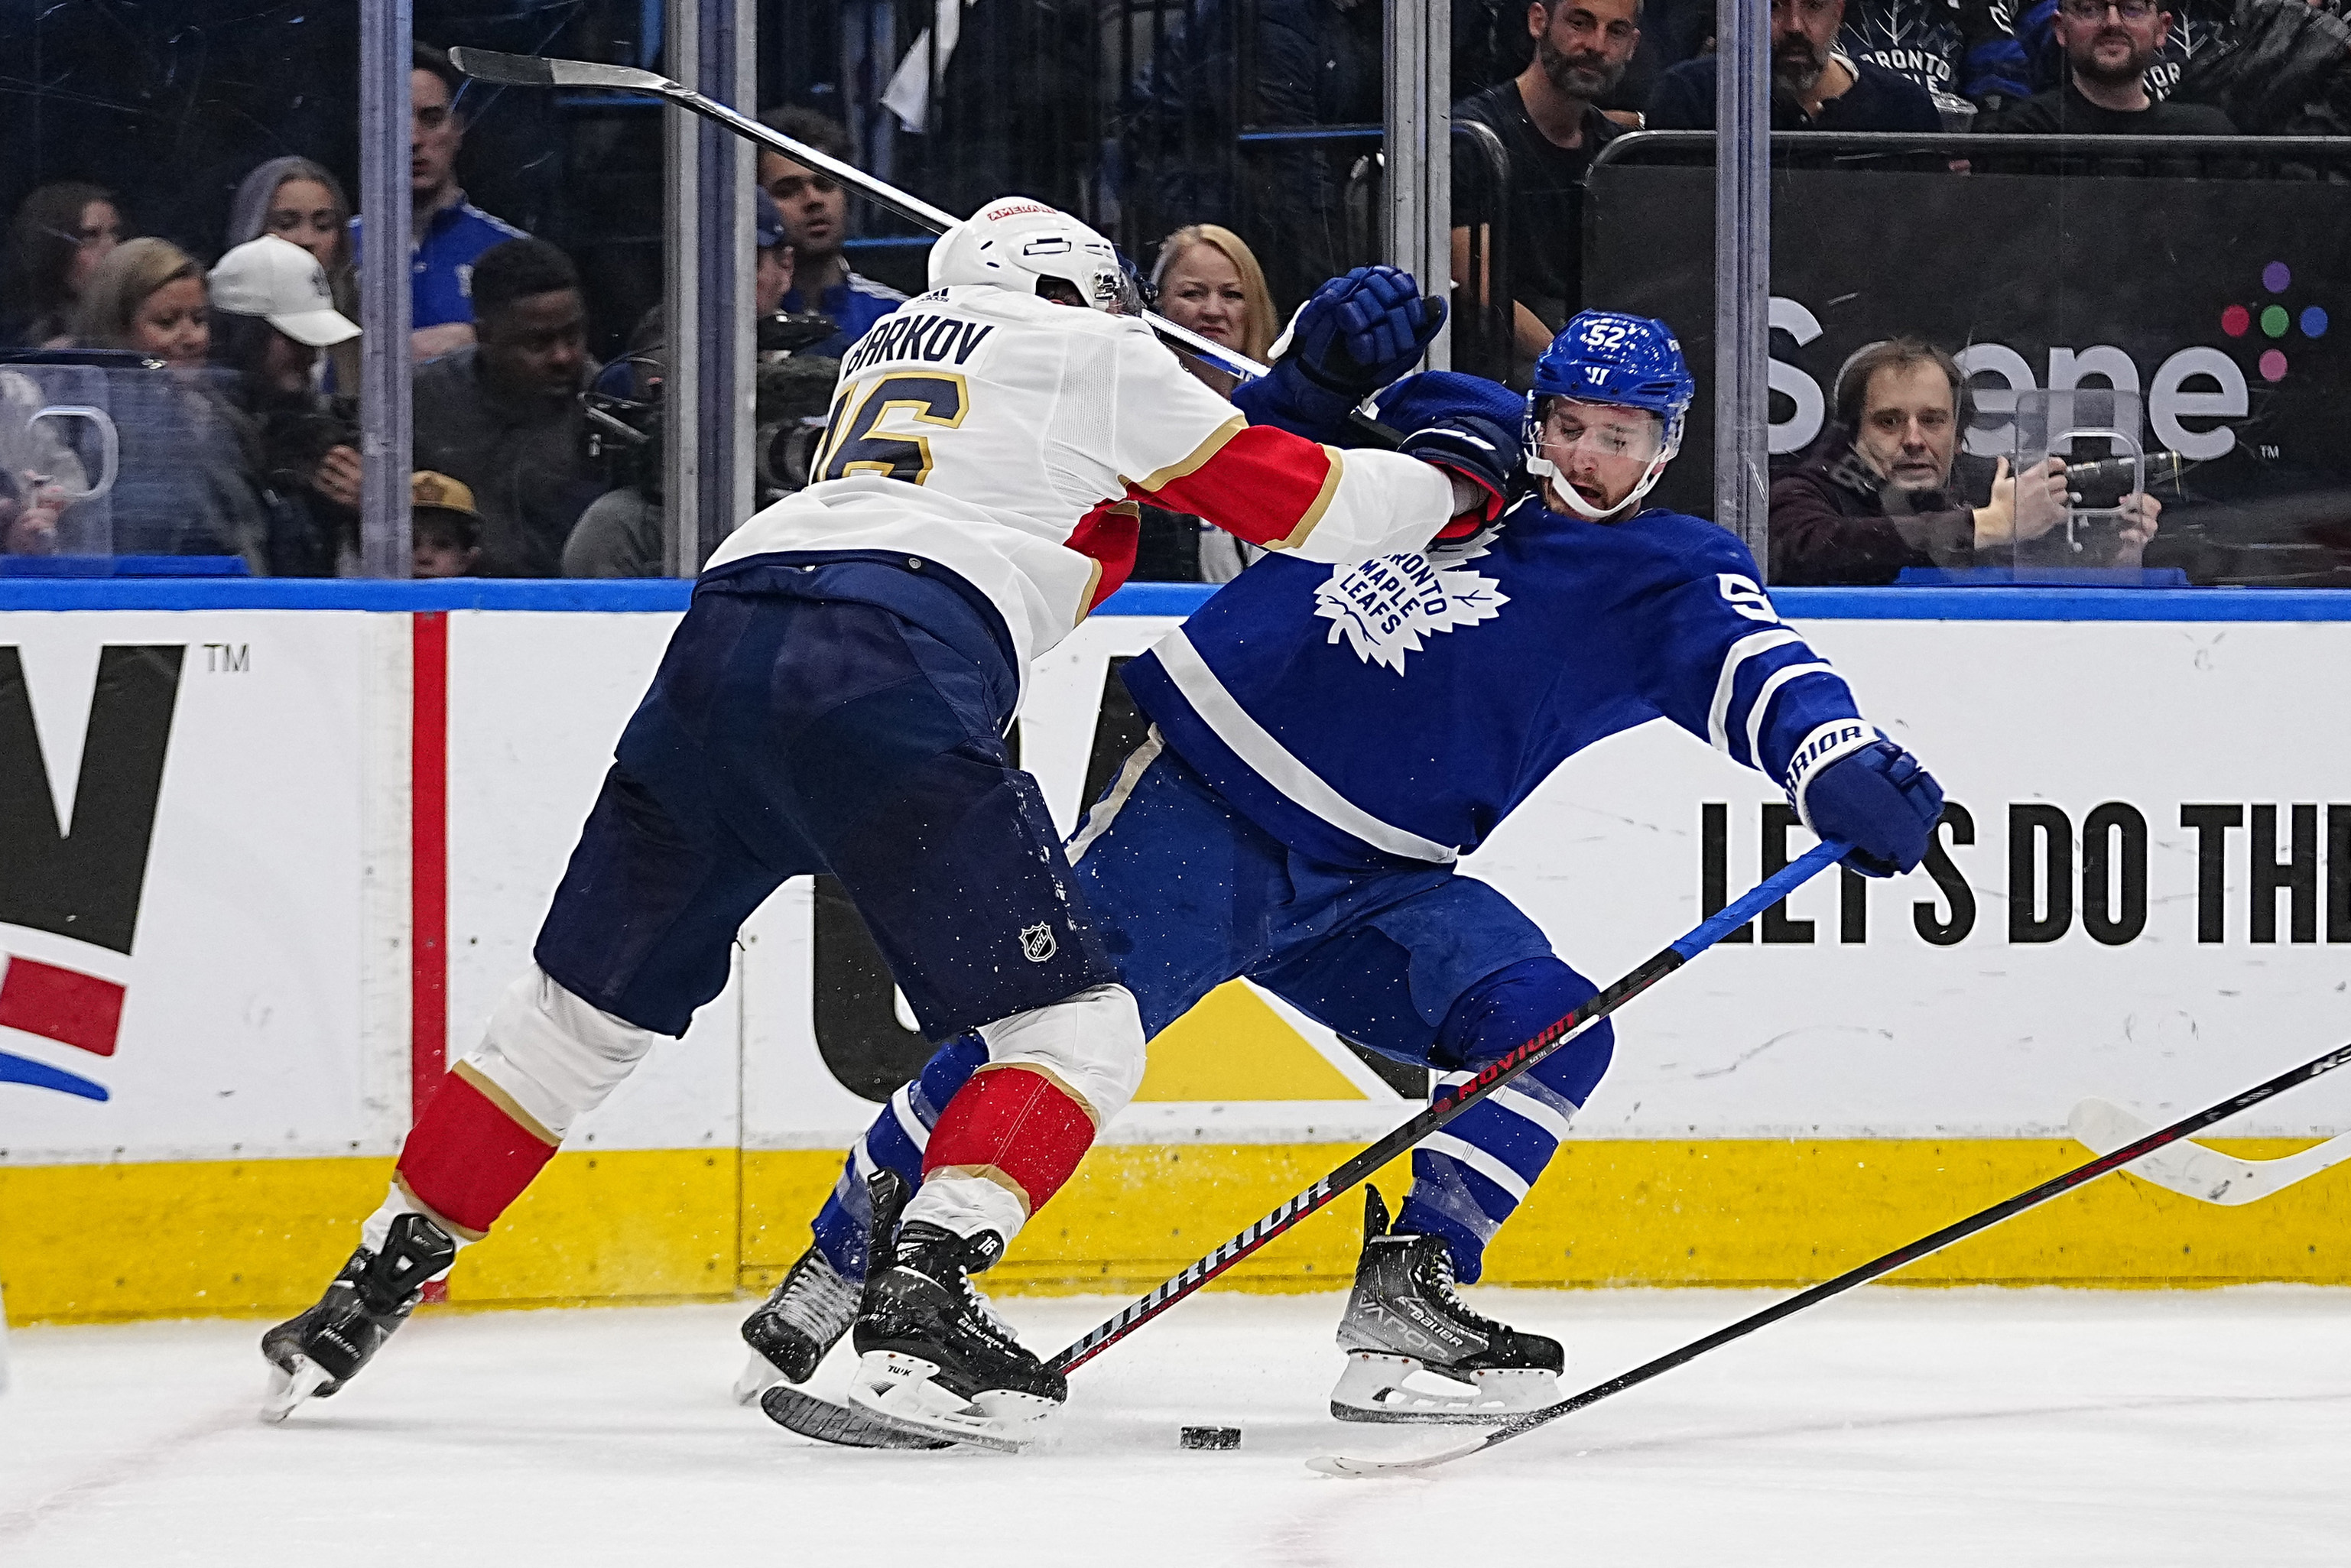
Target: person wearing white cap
(272,312)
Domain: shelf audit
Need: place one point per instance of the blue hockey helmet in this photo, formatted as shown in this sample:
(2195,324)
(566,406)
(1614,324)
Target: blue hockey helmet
(1626,362)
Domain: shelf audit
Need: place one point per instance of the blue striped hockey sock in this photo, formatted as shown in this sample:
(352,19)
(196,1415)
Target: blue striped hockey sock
(1469,1178)
(894,1142)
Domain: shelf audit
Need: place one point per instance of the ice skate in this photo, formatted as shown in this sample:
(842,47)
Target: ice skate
(1417,1352)
(313,1354)
(934,1361)
(789,1332)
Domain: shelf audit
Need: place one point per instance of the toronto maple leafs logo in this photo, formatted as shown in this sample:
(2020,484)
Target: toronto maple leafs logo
(1387,607)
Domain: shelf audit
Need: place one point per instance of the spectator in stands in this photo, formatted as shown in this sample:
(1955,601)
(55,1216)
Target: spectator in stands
(816,221)
(776,266)
(445,532)
(39,475)
(2196,26)
(450,233)
(1207,278)
(1550,124)
(60,232)
(1814,86)
(273,311)
(2282,69)
(2108,46)
(1888,486)
(299,201)
(502,416)
(189,481)
(1931,42)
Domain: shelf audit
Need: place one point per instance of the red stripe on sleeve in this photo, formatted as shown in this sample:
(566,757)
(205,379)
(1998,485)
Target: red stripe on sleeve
(1261,486)
(1108,535)
(63,1005)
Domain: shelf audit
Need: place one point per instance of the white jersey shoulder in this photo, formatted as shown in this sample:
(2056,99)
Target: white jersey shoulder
(977,427)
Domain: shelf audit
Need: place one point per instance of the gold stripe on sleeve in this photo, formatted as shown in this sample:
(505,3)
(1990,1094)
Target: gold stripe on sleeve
(1313,514)
(1197,460)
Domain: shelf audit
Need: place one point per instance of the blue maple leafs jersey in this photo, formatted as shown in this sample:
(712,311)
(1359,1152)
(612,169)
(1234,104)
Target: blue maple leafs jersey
(1398,709)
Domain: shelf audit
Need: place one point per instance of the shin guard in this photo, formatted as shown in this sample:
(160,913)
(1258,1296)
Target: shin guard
(1005,1145)
(472,1152)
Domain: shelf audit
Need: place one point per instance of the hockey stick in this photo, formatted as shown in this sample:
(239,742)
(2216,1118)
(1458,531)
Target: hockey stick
(2193,1170)
(1519,1426)
(532,70)
(810,1417)
(1495,1074)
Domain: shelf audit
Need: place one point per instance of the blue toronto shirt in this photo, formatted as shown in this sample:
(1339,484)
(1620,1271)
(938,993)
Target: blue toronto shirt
(441,261)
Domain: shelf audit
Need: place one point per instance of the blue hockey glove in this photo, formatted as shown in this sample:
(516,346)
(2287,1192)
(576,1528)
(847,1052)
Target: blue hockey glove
(1362,331)
(1479,450)
(1875,797)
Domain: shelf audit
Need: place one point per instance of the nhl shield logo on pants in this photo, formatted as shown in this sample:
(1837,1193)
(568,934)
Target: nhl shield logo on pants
(1037,942)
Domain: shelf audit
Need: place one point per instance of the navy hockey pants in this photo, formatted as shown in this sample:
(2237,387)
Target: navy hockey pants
(797,725)
(1419,964)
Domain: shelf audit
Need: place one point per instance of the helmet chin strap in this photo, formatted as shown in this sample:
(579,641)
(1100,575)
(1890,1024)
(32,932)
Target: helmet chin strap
(1585,509)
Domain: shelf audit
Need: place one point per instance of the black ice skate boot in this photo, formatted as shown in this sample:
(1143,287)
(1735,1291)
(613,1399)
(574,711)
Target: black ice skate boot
(803,1317)
(933,1360)
(1404,1318)
(315,1354)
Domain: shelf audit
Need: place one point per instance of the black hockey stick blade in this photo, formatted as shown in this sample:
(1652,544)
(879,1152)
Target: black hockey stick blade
(1495,1074)
(843,1424)
(2055,1187)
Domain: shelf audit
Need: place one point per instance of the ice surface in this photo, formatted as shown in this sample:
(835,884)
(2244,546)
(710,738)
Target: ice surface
(1977,1427)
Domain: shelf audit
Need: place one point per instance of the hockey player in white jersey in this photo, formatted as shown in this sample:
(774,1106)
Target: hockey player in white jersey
(834,700)
(1327,741)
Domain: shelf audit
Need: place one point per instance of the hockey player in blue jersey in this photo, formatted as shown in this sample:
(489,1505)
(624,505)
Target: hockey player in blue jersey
(1327,741)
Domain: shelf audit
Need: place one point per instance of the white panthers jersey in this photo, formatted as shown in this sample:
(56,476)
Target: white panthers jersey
(1006,437)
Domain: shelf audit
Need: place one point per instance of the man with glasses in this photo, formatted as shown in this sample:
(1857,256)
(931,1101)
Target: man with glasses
(815,220)
(2108,46)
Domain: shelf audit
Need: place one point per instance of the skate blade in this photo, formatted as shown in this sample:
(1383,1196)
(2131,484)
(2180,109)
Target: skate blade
(758,1376)
(846,1425)
(289,1389)
(1373,1390)
(899,1391)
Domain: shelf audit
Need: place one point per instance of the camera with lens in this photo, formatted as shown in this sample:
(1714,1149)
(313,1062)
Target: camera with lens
(2100,485)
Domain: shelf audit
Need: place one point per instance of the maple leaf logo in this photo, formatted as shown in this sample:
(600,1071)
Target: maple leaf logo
(1387,608)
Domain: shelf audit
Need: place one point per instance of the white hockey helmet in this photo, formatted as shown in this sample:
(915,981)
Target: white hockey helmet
(1020,243)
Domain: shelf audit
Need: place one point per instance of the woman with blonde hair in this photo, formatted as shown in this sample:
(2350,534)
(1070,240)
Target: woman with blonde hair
(297,200)
(1206,278)
(187,483)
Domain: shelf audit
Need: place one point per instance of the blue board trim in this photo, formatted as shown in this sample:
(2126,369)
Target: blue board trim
(651,595)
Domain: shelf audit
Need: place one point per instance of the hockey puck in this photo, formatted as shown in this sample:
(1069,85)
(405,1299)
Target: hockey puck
(1211,1438)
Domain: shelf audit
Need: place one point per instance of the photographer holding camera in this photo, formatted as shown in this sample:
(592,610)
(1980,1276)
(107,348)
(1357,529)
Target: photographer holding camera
(1888,486)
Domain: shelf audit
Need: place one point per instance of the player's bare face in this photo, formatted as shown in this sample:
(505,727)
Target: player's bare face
(815,208)
(1909,429)
(1600,450)
(1202,290)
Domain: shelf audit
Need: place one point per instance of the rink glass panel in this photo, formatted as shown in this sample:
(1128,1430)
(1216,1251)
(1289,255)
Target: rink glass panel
(2200,275)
